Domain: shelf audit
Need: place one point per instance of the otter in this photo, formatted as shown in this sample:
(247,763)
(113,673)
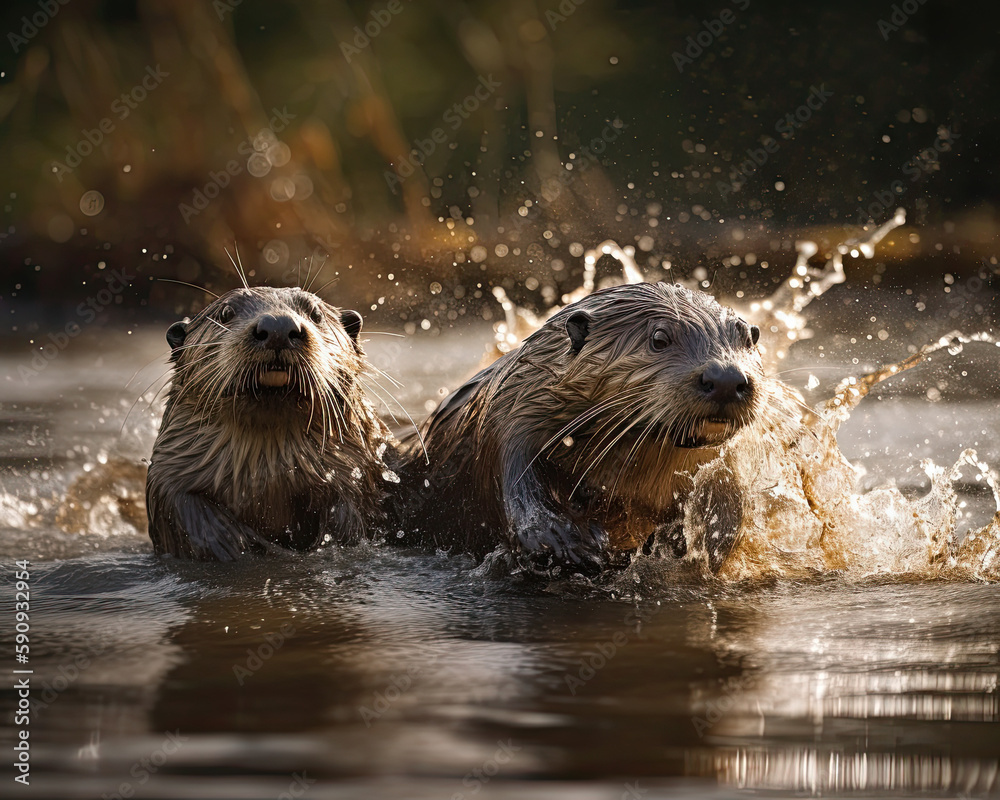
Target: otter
(268,442)
(582,443)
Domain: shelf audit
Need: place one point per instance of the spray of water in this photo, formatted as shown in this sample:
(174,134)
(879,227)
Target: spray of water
(805,512)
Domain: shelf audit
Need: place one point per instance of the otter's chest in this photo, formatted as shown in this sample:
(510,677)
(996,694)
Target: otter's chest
(269,482)
(632,488)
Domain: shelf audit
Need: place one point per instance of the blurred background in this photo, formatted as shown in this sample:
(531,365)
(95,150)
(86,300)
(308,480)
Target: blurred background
(417,152)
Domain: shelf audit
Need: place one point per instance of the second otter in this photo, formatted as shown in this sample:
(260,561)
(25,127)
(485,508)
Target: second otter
(267,440)
(582,441)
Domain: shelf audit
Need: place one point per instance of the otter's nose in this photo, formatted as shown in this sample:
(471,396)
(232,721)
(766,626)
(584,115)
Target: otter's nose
(724,383)
(276,332)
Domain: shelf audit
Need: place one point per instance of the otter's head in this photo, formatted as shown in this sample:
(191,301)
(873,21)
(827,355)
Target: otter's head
(261,354)
(672,361)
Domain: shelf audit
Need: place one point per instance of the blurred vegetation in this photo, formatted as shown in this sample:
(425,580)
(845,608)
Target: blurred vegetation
(286,129)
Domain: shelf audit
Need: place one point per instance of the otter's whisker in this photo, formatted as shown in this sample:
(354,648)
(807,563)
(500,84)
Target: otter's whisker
(402,408)
(142,394)
(604,453)
(631,453)
(192,285)
(381,399)
(319,291)
(607,429)
(388,377)
(574,424)
(341,421)
(308,282)
(238,267)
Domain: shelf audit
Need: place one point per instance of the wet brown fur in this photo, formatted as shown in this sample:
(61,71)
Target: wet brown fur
(502,470)
(239,466)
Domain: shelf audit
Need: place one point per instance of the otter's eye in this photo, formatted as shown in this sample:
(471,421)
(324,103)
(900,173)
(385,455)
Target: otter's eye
(316,315)
(754,335)
(226,313)
(659,340)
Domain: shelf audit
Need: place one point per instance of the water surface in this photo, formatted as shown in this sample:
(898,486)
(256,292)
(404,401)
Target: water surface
(372,671)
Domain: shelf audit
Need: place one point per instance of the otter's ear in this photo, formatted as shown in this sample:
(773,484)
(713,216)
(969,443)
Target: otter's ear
(176,333)
(352,321)
(578,327)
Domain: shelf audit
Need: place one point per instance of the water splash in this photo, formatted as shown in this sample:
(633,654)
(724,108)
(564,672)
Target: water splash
(805,512)
(519,322)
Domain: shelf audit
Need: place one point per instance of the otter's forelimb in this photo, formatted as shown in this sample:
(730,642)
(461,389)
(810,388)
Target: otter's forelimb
(541,534)
(192,526)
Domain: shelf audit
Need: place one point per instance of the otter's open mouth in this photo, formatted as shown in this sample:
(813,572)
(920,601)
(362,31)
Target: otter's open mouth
(274,378)
(708,432)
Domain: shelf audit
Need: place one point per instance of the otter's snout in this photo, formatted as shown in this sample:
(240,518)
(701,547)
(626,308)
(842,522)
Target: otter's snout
(724,384)
(277,331)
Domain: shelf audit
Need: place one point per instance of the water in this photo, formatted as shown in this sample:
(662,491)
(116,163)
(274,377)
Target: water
(372,671)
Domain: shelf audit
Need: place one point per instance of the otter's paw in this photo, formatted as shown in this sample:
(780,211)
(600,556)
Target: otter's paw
(552,541)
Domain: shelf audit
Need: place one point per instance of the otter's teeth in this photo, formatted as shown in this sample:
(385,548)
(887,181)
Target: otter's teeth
(274,378)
